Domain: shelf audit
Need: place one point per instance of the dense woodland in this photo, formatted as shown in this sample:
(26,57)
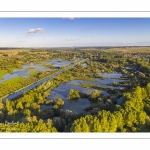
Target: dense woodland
(132,115)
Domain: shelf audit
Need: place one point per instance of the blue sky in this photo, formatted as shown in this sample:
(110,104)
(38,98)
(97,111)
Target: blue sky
(68,32)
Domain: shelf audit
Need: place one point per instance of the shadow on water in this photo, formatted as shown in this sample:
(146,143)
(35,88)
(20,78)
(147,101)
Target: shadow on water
(29,68)
(99,82)
(76,106)
(111,75)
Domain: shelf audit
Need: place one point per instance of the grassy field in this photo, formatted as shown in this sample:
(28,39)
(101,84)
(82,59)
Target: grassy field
(2,73)
(132,49)
(33,74)
(13,80)
(11,52)
(84,78)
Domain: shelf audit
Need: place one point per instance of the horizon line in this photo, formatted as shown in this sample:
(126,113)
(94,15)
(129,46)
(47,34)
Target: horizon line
(76,46)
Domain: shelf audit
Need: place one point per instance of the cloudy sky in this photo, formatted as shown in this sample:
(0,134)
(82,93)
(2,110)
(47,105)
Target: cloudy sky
(68,32)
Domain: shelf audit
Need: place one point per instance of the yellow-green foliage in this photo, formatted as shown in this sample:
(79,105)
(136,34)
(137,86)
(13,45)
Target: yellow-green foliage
(128,118)
(2,73)
(95,95)
(73,94)
(38,126)
(59,102)
(103,122)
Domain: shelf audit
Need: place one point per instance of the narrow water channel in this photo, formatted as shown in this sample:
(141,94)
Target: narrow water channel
(20,92)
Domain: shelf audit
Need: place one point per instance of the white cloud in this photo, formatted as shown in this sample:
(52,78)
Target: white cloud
(22,41)
(129,43)
(70,18)
(104,26)
(87,29)
(37,30)
(72,39)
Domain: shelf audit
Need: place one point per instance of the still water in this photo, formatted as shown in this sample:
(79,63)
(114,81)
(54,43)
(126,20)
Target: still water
(76,106)
(29,68)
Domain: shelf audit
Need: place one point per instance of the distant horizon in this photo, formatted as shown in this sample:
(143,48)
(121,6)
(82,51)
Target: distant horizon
(74,32)
(74,47)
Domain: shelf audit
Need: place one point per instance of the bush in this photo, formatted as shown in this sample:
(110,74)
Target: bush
(55,107)
(73,94)
(48,102)
(95,95)
(59,102)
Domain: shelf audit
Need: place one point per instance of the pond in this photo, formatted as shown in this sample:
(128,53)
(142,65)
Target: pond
(119,100)
(128,68)
(15,74)
(85,65)
(21,119)
(29,68)
(29,87)
(111,75)
(76,106)
(101,83)
(35,67)
(58,62)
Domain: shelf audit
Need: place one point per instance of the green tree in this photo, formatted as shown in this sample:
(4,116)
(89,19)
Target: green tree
(95,95)
(55,106)
(27,112)
(73,94)
(59,102)
(19,105)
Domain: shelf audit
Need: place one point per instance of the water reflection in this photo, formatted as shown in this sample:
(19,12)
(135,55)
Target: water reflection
(85,65)
(119,100)
(15,74)
(76,106)
(25,89)
(32,67)
(111,75)
(101,83)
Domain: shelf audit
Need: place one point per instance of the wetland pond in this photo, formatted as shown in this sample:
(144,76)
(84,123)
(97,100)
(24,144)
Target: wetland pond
(29,68)
(78,106)
(111,75)
(103,83)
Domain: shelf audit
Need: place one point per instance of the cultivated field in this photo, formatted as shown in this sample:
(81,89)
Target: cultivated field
(132,49)
(12,51)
